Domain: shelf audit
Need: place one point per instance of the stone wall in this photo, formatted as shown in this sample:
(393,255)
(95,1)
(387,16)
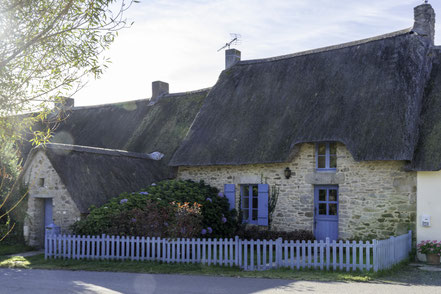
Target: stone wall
(377,198)
(64,210)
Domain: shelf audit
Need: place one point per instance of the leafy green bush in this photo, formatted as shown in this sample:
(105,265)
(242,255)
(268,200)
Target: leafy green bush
(114,217)
(175,221)
(12,206)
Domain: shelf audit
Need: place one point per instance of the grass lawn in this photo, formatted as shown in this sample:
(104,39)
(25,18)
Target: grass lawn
(6,249)
(38,262)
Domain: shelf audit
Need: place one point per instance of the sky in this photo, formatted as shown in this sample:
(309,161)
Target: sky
(177,41)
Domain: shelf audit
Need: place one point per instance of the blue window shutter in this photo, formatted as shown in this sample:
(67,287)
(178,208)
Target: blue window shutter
(230,193)
(262,214)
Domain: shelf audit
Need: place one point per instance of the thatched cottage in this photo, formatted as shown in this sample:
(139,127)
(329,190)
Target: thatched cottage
(101,151)
(339,133)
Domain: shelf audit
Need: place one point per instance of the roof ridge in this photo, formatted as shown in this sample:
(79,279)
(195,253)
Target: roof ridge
(186,92)
(109,104)
(170,95)
(95,150)
(327,48)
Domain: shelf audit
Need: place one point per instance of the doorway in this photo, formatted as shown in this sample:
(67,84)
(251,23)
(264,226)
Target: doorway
(326,212)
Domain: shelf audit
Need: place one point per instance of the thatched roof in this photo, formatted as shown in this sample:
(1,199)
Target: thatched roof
(94,175)
(134,125)
(428,151)
(365,94)
(103,150)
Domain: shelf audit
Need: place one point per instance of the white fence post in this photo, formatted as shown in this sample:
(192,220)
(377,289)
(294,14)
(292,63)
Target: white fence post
(375,253)
(46,246)
(327,242)
(279,252)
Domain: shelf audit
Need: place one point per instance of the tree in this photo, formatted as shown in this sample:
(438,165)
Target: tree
(48,48)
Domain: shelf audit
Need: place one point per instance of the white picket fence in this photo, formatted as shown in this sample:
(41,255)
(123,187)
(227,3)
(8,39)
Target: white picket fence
(247,254)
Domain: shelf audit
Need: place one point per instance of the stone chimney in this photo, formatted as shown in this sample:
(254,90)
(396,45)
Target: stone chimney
(424,24)
(65,103)
(158,89)
(232,56)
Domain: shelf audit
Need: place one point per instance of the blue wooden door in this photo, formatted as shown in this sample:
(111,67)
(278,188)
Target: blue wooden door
(326,212)
(47,212)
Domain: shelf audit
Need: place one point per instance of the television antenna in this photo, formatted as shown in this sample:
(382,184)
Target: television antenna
(235,40)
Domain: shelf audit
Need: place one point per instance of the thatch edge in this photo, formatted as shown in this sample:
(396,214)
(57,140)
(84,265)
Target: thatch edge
(96,150)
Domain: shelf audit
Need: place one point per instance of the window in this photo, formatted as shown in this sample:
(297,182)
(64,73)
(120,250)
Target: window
(326,156)
(254,204)
(41,182)
(327,200)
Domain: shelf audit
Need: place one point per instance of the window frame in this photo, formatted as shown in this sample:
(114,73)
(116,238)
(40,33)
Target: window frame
(327,157)
(250,203)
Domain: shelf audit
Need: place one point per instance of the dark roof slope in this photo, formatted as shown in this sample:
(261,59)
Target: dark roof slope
(94,175)
(166,124)
(107,126)
(135,125)
(428,151)
(365,94)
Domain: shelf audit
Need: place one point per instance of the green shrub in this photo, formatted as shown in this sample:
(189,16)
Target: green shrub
(12,205)
(114,216)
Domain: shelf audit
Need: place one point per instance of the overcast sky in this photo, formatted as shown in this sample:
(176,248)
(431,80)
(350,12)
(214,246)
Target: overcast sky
(176,41)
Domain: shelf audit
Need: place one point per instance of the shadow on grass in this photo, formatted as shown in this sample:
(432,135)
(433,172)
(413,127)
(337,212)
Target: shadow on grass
(7,249)
(38,262)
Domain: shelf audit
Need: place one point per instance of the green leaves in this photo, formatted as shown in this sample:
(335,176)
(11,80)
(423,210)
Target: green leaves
(48,50)
(215,211)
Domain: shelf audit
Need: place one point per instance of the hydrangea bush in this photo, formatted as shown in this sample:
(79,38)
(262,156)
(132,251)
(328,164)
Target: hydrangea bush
(429,247)
(172,208)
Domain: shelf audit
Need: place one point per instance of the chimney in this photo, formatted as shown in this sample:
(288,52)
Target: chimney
(232,56)
(424,24)
(65,103)
(158,89)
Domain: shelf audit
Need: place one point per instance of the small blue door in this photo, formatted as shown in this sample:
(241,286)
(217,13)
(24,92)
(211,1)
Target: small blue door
(326,212)
(47,212)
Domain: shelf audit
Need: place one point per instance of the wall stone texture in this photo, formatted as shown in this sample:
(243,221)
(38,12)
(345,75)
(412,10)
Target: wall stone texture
(64,210)
(376,198)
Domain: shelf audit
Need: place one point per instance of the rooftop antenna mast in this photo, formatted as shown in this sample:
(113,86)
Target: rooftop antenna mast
(235,40)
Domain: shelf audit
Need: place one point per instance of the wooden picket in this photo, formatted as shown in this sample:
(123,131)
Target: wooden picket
(247,254)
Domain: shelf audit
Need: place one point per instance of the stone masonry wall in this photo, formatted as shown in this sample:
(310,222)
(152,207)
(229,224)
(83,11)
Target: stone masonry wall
(64,210)
(377,198)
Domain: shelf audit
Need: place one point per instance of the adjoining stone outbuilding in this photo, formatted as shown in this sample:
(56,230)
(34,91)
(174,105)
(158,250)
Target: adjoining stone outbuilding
(65,180)
(101,151)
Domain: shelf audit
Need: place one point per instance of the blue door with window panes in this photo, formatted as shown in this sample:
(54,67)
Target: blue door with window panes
(254,203)
(326,212)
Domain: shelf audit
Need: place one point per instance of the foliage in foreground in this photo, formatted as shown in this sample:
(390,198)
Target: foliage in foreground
(11,193)
(167,209)
(47,49)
